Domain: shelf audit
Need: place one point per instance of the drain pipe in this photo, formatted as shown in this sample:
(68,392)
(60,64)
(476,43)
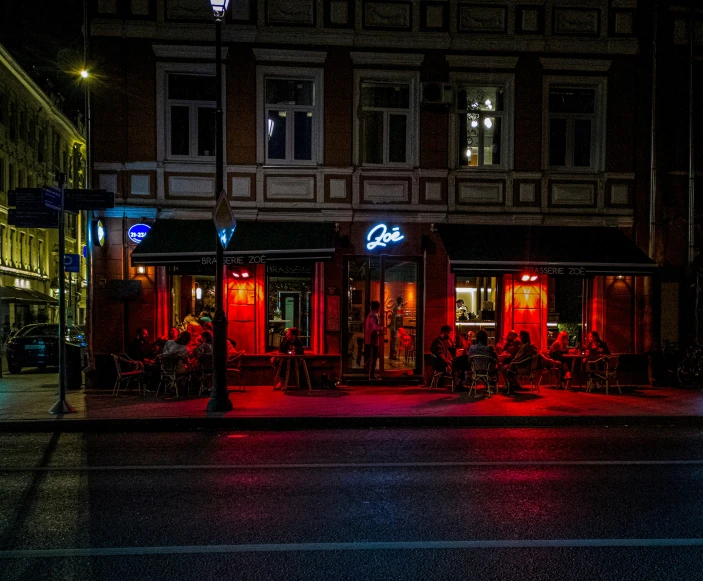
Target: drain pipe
(653,142)
(692,164)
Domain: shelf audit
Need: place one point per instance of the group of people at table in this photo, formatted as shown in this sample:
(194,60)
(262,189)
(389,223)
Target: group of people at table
(189,349)
(511,354)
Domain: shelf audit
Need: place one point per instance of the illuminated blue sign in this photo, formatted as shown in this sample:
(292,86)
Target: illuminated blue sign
(137,232)
(381,236)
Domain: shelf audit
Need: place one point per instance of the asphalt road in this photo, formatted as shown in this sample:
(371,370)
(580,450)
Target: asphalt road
(601,503)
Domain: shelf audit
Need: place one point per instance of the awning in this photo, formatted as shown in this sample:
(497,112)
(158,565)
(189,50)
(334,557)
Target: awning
(12,294)
(192,243)
(554,250)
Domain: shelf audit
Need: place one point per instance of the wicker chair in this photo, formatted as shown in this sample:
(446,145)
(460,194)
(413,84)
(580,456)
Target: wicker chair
(171,374)
(439,376)
(234,369)
(127,370)
(604,369)
(526,369)
(483,368)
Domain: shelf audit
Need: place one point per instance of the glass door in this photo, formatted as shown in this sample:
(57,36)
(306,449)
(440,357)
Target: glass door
(395,283)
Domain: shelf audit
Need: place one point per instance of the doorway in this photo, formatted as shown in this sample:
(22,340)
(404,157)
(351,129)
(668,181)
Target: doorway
(396,283)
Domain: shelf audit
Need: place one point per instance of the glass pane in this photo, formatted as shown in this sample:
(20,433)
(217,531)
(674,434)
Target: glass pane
(276,129)
(206,131)
(372,137)
(289,305)
(399,314)
(385,96)
(180,130)
(364,286)
(582,143)
(290,92)
(397,142)
(572,100)
(475,308)
(302,137)
(491,140)
(468,139)
(480,98)
(191,87)
(557,142)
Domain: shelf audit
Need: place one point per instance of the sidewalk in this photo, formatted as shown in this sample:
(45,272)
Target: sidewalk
(26,398)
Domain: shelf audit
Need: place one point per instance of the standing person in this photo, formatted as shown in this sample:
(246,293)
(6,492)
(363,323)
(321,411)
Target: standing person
(441,349)
(372,339)
(395,323)
(462,313)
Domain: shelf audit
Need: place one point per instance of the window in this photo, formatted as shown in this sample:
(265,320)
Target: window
(41,146)
(3,108)
(385,123)
(289,304)
(480,113)
(476,305)
(56,149)
(11,183)
(13,121)
(191,116)
(289,115)
(291,118)
(2,175)
(575,126)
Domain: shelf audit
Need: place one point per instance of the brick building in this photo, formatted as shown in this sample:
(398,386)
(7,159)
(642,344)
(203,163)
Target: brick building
(433,151)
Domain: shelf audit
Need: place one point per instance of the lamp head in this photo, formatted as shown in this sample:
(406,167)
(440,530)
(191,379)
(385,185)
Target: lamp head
(219,7)
(84,74)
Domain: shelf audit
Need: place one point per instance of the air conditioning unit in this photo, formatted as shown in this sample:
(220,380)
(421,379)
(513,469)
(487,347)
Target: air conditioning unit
(437,93)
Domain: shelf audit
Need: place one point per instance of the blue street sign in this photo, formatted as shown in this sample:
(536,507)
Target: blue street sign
(137,232)
(225,222)
(71,263)
(51,198)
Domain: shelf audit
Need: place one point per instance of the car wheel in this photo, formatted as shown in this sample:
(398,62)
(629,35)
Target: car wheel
(14,367)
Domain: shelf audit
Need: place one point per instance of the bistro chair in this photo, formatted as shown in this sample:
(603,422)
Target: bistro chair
(206,370)
(127,370)
(171,375)
(234,369)
(483,368)
(439,376)
(526,369)
(602,370)
(551,370)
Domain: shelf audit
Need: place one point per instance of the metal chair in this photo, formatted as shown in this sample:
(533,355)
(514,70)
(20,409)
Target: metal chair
(483,368)
(205,373)
(526,370)
(604,369)
(439,376)
(550,369)
(127,370)
(234,368)
(171,375)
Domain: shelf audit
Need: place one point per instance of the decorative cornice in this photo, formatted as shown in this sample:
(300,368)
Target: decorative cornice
(387,58)
(290,56)
(187,51)
(481,62)
(570,64)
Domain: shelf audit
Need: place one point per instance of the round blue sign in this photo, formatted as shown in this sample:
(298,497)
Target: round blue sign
(137,232)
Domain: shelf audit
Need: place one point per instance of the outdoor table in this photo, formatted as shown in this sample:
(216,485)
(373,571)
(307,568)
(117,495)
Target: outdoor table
(295,361)
(574,357)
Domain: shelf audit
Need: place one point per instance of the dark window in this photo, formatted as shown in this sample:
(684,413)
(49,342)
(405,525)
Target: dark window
(191,88)
(557,142)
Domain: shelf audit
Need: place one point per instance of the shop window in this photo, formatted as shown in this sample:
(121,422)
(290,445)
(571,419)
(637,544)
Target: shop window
(289,304)
(476,304)
(566,309)
(483,123)
(191,116)
(575,129)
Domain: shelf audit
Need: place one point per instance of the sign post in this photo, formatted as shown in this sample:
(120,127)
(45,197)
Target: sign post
(62,406)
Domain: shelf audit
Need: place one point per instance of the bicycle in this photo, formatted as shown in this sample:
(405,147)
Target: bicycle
(689,373)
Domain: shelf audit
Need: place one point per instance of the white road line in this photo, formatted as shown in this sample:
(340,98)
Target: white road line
(362,546)
(346,465)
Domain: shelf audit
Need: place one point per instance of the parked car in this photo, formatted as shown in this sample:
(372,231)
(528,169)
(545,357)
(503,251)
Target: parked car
(37,346)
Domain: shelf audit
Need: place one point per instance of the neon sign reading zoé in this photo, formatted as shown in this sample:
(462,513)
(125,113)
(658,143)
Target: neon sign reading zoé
(380,236)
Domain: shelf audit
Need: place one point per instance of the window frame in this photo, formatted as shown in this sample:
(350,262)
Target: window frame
(314,74)
(507,82)
(598,122)
(163,109)
(412,138)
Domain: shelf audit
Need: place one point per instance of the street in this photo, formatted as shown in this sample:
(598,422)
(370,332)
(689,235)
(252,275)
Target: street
(570,503)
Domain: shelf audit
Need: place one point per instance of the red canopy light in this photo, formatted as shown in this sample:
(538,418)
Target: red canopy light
(528,277)
(241,273)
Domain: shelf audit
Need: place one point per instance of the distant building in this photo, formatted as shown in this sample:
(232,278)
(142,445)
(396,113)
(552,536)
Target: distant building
(436,151)
(36,141)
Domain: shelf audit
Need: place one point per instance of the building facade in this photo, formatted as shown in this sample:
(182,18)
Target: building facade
(481,165)
(36,141)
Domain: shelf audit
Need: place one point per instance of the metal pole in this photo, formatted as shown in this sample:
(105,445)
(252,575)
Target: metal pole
(653,142)
(219,397)
(62,406)
(691,148)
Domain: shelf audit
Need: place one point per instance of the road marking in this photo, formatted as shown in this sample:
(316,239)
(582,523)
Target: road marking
(363,546)
(337,465)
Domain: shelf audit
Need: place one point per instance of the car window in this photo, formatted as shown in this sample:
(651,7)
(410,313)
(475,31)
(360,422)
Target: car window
(41,331)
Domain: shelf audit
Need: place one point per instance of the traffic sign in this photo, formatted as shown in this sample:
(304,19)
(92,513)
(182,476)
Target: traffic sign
(37,218)
(76,200)
(224,220)
(51,198)
(71,263)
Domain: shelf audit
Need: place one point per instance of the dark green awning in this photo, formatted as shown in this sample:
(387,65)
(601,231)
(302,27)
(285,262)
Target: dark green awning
(12,294)
(556,250)
(192,242)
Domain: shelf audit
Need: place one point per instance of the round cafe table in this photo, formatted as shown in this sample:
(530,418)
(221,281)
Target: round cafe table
(574,357)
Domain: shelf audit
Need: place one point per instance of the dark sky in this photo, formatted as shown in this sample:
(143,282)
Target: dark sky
(45,37)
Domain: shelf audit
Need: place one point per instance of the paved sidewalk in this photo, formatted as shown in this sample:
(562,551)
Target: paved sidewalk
(26,398)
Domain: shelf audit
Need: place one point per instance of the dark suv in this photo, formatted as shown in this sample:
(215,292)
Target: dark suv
(37,346)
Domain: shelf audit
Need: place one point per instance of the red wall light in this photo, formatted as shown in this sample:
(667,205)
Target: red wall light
(528,276)
(241,273)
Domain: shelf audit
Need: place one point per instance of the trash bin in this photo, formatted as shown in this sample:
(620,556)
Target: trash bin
(74,366)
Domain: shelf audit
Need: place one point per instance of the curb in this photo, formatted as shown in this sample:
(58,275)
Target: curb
(64,425)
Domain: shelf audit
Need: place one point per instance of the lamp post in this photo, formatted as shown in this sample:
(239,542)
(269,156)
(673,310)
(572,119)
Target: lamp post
(219,397)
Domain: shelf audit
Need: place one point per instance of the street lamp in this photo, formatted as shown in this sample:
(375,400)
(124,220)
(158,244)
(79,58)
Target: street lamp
(219,397)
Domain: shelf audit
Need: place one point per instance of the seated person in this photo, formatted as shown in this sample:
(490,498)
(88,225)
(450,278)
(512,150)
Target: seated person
(234,356)
(480,347)
(140,349)
(510,347)
(179,349)
(441,349)
(291,343)
(521,360)
(595,346)
(556,353)
(205,348)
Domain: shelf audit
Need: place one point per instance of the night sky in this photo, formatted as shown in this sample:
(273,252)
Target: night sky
(46,38)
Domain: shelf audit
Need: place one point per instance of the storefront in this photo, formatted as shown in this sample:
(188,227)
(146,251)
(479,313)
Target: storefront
(549,279)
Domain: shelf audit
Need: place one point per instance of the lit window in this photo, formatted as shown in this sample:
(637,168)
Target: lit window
(289,304)
(191,116)
(480,113)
